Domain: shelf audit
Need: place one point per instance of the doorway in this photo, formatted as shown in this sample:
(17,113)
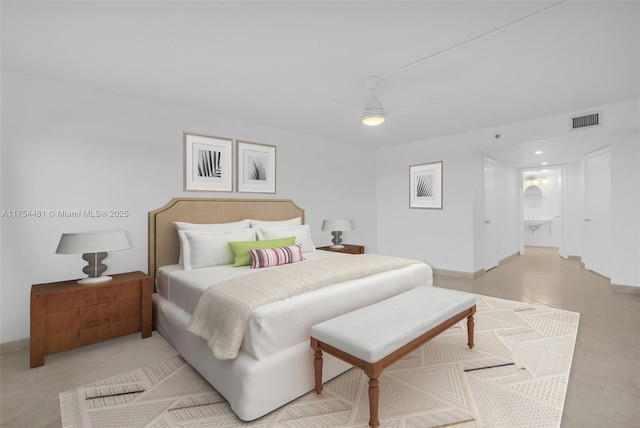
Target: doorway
(542,205)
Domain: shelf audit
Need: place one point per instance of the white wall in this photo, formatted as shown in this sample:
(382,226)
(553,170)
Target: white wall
(625,209)
(439,237)
(454,233)
(451,238)
(65,147)
(68,148)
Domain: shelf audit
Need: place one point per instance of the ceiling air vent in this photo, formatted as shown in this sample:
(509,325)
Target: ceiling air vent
(585,121)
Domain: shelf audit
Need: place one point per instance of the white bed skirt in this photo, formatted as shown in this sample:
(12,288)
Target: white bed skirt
(252,387)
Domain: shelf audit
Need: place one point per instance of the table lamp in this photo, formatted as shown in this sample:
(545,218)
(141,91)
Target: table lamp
(93,246)
(336,227)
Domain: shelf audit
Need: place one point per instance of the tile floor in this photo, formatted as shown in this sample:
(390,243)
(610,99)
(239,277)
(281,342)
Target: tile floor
(604,385)
(604,388)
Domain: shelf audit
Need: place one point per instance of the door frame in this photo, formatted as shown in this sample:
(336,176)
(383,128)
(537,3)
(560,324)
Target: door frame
(562,241)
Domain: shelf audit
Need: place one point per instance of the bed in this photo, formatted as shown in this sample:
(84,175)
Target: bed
(274,362)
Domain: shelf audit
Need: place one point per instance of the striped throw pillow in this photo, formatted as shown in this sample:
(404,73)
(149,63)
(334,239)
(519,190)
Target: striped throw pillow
(275,256)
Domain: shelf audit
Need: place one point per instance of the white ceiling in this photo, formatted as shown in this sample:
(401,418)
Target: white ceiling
(301,65)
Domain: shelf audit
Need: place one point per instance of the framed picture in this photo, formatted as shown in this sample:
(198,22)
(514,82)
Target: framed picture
(208,163)
(425,181)
(256,167)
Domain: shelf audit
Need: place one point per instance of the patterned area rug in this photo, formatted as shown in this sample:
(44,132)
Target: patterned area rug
(516,376)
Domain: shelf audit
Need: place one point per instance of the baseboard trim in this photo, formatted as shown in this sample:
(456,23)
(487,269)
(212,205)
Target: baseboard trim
(478,273)
(582,265)
(627,289)
(470,275)
(579,258)
(14,346)
(500,262)
(512,256)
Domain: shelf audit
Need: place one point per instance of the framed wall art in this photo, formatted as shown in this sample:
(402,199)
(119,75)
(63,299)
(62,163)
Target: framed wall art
(208,163)
(425,181)
(256,167)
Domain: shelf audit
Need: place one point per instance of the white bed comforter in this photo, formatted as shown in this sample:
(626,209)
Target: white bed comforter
(222,312)
(280,325)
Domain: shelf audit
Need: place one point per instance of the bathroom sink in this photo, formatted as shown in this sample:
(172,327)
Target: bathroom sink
(534,223)
(540,221)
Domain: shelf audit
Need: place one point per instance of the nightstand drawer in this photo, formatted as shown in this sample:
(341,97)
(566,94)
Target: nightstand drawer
(91,316)
(67,315)
(91,295)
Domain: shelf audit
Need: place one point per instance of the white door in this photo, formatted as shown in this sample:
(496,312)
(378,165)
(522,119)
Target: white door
(562,230)
(490,214)
(597,220)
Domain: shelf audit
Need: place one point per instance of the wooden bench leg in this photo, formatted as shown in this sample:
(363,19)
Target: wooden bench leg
(470,328)
(317,365)
(374,396)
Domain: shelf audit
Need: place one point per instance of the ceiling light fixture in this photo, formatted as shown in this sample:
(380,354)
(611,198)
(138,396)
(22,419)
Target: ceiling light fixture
(373,114)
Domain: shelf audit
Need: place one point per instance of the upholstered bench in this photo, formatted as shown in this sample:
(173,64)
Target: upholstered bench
(376,336)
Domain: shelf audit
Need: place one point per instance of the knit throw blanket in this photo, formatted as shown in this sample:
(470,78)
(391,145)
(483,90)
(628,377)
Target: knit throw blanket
(221,315)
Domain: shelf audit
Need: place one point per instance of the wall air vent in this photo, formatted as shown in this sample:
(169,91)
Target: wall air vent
(585,121)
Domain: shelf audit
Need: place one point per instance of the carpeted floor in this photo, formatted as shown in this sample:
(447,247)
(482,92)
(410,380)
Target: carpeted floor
(516,376)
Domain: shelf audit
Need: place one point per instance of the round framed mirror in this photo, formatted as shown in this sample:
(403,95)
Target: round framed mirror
(533,191)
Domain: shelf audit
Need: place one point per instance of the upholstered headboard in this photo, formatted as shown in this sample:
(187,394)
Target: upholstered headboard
(164,247)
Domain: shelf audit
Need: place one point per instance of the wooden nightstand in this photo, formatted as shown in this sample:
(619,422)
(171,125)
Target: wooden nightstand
(67,315)
(349,249)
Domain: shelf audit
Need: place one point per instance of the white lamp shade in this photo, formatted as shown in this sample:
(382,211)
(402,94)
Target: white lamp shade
(336,225)
(92,242)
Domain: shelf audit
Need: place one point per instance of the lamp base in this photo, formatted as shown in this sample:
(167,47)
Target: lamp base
(94,280)
(337,239)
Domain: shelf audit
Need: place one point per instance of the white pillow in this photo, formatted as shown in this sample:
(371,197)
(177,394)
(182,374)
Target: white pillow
(301,233)
(211,248)
(276,223)
(208,227)
(213,227)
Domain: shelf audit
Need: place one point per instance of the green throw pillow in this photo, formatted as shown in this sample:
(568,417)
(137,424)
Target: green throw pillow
(241,248)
